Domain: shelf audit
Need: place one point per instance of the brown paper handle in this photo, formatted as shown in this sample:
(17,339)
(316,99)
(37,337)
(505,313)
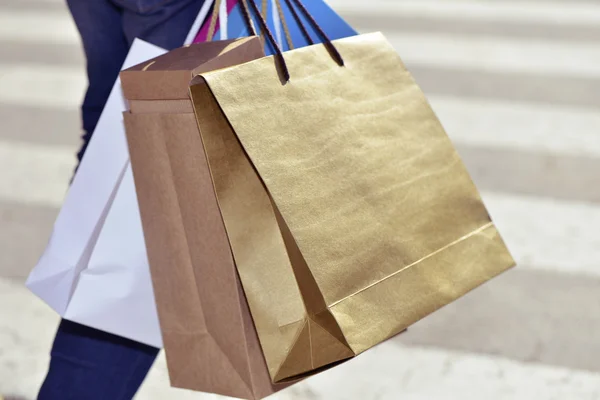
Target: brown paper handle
(213,20)
(247,19)
(264,10)
(326,40)
(215,16)
(284,24)
(300,23)
(260,16)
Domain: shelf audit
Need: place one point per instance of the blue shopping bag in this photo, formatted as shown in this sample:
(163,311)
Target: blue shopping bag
(332,24)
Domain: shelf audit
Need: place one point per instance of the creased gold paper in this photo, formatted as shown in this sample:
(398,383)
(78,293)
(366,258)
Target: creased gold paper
(349,212)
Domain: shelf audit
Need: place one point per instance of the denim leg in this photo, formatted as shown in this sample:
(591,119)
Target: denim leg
(100,25)
(88,364)
(108,28)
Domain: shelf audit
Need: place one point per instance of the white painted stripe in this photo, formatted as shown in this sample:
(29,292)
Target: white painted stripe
(38,175)
(35,174)
(522,126)
(548,234)
(47,86)
(48,27)
(381,373)
(391,371)
(499,55)
(27,329)
(546,12)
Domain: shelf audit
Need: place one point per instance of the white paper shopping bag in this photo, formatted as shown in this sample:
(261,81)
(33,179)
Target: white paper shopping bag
(74,275)
(114,293)
(94,270)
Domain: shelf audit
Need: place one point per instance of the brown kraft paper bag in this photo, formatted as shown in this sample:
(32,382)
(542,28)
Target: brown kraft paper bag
(349,213)
(210,340)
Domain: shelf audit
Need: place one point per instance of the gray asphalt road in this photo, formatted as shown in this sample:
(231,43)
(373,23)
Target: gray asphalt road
(516,83)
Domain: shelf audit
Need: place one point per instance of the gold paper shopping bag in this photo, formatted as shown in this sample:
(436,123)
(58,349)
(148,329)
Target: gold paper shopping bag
(349,213)
(210,341)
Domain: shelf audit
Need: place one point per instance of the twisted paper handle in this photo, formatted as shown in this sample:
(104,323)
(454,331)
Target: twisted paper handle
(326,40)
(213,20)
(218,11)
(286,28)
(264,28)
(267,32)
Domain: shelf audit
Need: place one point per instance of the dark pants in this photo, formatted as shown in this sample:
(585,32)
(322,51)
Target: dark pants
(88,364)
(108,28)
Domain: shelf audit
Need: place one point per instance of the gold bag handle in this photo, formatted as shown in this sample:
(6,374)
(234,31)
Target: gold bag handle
(278,6)
(246,12)
(213,20)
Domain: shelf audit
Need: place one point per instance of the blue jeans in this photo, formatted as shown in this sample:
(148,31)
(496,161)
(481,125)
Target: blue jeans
(88,364)
(108,28)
